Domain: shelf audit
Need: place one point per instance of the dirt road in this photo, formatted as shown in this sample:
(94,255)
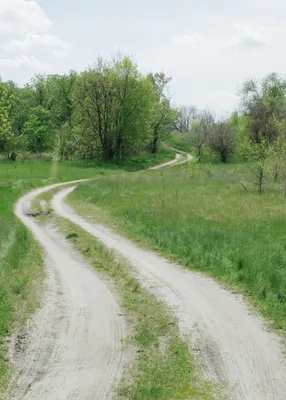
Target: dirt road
(75,345)
(72,346)
(233,344)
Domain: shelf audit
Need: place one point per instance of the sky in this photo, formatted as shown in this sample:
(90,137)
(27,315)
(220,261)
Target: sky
(208,47)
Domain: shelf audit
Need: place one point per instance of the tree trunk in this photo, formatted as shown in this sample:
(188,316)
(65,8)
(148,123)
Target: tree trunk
(155,144)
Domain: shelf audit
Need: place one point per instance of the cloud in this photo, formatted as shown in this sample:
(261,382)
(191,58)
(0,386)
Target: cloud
(187,40)
(223,101)
(246,38)
(26,38)
(40,44)
(18,17)
(23,61)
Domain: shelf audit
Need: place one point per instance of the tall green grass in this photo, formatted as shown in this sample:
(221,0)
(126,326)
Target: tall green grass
(206,217)
(20,257)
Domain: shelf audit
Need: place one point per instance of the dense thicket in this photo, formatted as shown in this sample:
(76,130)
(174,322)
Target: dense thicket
(108,111)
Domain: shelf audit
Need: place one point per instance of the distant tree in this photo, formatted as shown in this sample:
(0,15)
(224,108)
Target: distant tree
(264,103)
(187,115)
(163,115)
(115,102)
(38,130)
(222,140)
(6,104)
(261,126)
(200,131)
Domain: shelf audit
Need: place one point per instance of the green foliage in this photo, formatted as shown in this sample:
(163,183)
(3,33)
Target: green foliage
(163,116)
(5,108)
(38,130)
(116,104)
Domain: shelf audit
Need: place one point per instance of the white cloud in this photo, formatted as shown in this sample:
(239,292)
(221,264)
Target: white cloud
(187,40)
(23,61)
(26,38)
(22,16)
(40,44)
(246,38)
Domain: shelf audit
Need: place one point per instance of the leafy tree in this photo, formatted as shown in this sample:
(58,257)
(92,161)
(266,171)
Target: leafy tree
(187,115)
(264,103)
(38,130)
(6,103)
(115,103)
(200,132)
(264,114)
(222,140)
(163,115)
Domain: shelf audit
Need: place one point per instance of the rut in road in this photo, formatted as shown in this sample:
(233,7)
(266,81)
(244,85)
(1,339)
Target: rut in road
(74,342)
(232,343)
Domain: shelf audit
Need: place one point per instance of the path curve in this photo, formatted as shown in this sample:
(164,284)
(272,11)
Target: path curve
(231,341)
(71,349)
(73,345)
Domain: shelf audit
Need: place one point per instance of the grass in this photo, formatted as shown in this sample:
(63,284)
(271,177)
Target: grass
(164,368)
(206,217)
(180,141)
(21,264)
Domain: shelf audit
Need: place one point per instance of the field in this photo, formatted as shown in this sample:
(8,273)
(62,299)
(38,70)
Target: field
(20,257)
(207,217)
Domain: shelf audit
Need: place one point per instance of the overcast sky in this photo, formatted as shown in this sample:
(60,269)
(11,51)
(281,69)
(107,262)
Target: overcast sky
(208,47)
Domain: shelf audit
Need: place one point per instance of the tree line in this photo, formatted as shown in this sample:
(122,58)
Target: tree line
(112,110)
(109,111)
(255,134)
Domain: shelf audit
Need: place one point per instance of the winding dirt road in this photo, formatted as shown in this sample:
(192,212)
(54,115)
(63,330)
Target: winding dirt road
(72,346)
(78,342)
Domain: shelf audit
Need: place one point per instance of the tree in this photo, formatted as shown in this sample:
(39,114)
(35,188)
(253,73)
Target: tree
(6,134)
(163,115)
(187,115)
(115,103)
(264,114)
(38,130)
(200,131)
(264,103)
(222,140)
